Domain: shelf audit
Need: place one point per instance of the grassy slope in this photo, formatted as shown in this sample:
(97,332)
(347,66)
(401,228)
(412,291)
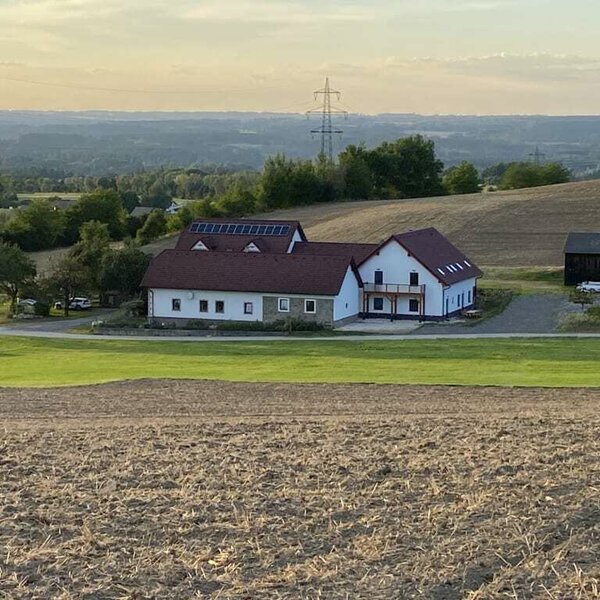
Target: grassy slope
(551,362)
(517,228)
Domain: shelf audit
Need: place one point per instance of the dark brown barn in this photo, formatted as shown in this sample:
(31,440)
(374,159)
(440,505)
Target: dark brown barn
(582,258)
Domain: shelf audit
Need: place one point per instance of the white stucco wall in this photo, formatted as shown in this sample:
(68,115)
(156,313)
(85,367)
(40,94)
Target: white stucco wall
(397,265)
(458,295)
(347,302)
(234,305)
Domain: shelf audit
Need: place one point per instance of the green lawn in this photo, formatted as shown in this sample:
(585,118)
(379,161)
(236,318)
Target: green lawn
(518,362)
(524,280)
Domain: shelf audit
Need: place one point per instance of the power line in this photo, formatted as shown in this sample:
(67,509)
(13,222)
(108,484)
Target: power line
(326,130)
(130,90)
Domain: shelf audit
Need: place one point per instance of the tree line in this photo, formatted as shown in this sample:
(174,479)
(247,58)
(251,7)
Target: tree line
(91,266)
(405,168)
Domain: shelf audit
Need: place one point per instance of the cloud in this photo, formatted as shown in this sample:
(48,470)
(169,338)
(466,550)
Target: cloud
(280,11)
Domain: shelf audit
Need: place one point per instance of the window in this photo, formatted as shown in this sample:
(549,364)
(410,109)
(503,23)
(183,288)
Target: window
(248,308)
(203,305)
(413,305)
(414,279)
(283,304)
(378,277)
(175,304)
(377,303)
(219,306)
(310,306)
(469,296)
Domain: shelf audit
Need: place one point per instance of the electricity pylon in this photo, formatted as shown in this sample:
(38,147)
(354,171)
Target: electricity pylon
(537,156)
(326,130)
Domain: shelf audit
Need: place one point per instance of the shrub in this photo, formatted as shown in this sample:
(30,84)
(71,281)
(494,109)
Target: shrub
(41,309)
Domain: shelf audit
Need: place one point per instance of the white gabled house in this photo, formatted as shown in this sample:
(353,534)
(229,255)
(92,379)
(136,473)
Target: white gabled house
(255,270)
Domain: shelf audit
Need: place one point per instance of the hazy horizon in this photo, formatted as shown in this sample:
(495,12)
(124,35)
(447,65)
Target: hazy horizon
(447,57)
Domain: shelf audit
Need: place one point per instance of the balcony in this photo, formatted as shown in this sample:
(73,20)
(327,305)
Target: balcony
(397,289)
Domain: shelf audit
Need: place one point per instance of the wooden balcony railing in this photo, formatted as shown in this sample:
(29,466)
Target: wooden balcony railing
(394,288)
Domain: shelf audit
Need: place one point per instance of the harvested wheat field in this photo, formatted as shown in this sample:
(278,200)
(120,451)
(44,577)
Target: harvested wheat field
(229,490)
(526,227)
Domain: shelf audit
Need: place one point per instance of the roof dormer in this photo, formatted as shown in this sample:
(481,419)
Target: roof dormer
(251,247)
(199,245)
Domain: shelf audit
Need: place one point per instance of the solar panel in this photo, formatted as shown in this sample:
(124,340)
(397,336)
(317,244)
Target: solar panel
(239,229)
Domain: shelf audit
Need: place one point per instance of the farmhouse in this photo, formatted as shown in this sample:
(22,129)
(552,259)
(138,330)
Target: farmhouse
(257,270)
(582,258)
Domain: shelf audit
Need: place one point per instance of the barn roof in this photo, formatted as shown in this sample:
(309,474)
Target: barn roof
(248,272)
(233,235)
(583,243)
(437,254)
(356,251)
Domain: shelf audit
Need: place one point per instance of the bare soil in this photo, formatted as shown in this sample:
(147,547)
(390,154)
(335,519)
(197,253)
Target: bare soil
(180,489)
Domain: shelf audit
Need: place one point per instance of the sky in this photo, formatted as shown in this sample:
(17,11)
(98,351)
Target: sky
(422,56)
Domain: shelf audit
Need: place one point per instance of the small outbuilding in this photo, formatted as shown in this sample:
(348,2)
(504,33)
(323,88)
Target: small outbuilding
(582,258)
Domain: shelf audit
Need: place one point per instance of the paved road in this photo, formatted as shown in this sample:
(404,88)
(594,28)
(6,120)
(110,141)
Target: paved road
(530,313)
(56,324)
(6,331)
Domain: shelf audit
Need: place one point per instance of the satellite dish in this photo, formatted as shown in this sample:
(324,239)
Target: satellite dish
(190,295)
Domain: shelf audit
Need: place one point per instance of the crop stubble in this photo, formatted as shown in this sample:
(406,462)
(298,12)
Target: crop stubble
(206,489)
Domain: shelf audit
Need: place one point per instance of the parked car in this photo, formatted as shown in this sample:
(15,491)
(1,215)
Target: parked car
(76,304)
(589,286)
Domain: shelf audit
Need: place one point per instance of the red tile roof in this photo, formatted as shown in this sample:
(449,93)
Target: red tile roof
(356,251)
(437,254)
(237,243)
(248,272)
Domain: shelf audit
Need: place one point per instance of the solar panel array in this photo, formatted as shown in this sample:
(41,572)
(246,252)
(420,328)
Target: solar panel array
(238,229)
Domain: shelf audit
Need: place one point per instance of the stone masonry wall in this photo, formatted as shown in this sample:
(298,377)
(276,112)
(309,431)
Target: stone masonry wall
(324,314)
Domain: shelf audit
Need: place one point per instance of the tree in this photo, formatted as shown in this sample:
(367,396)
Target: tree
(89,251)
(67,277)
(554,173)
(523,175)
(406,168)
(102,205)
(158,196)
(36,227)
(285,183)
(358,179)
(463,179)
(123,270)
(235,202)
(130,200)
(520,175)
(154,226)
(16,271)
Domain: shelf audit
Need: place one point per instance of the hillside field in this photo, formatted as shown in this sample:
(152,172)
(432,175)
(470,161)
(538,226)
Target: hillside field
(171,490)
(509,229)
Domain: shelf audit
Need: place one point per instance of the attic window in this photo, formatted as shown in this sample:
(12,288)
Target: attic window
(441,271)
(451,269)
(460,266)
(467,263)
(199,245)
(251,247)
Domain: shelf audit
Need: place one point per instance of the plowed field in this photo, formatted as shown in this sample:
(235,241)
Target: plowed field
(228,490)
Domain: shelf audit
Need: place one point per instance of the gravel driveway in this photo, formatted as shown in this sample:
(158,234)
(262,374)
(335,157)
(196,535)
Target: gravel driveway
(530,313)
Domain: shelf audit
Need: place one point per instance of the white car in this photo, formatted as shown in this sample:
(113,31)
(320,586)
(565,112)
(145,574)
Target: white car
(589,286)
(76,304)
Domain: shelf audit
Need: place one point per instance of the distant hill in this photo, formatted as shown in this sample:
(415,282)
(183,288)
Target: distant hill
(109,143)
(516,228)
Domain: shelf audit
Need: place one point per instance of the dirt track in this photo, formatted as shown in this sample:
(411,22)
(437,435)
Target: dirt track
(205,489)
